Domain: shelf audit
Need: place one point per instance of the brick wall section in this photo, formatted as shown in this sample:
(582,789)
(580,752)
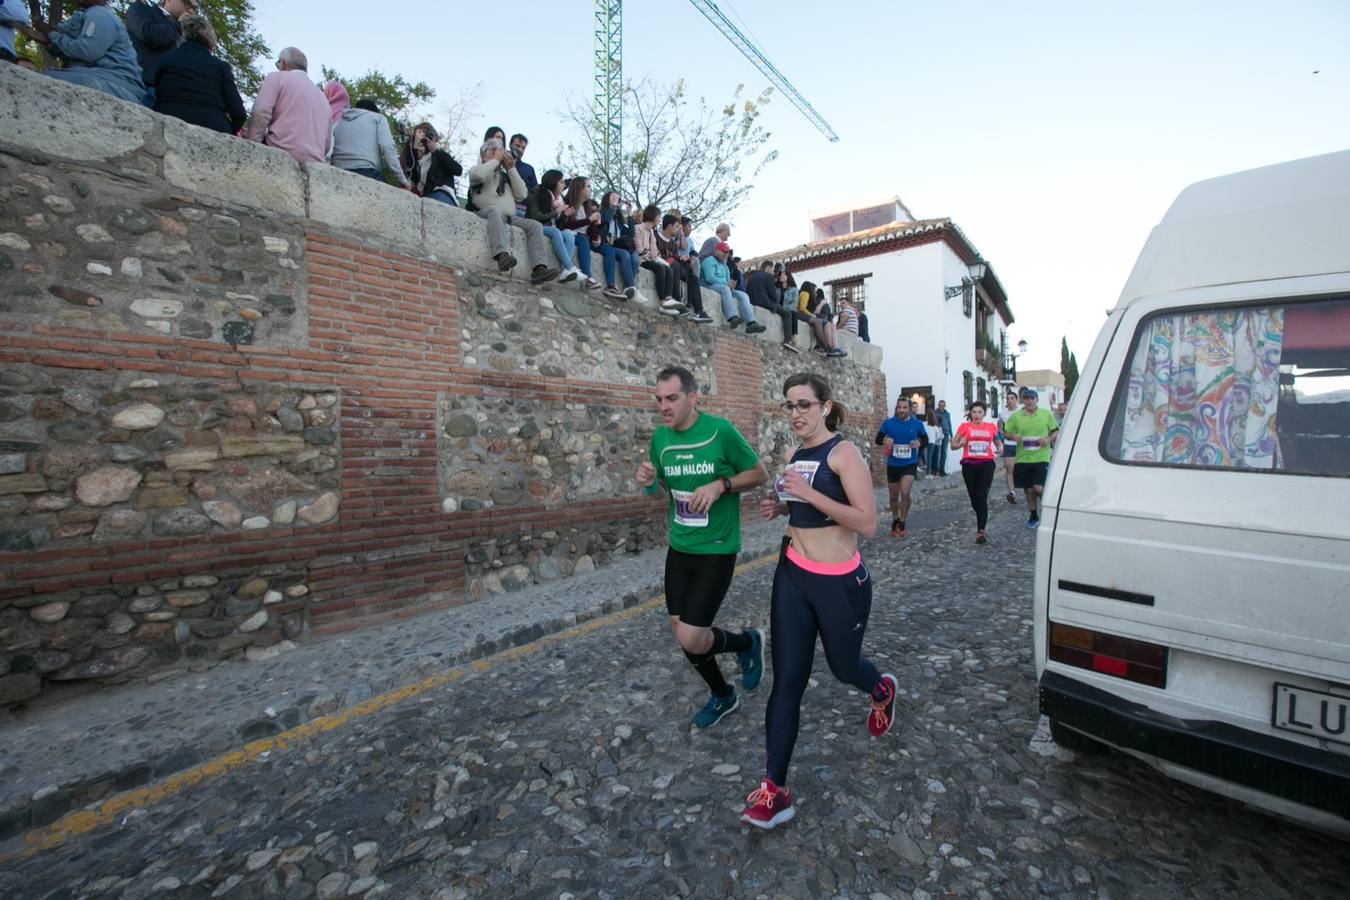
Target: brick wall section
(383,335)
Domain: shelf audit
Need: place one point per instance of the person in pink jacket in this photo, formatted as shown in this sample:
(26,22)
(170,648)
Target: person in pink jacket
(291,113)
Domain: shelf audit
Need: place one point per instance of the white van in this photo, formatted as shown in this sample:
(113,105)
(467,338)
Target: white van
(1192,590)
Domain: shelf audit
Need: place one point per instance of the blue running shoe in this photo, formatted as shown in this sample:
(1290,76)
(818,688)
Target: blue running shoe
(1033,521)
(752,661)
(713,711)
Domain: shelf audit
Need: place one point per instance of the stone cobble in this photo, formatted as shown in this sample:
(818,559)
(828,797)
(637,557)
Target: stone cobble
(572,772)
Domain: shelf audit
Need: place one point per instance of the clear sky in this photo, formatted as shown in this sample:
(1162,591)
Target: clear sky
(1054,133)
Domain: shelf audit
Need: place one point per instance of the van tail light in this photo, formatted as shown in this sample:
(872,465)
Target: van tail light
(1111,655)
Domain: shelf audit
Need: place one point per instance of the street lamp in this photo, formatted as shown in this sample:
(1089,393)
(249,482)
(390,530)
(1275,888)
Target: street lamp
(1010,365)
(977,270)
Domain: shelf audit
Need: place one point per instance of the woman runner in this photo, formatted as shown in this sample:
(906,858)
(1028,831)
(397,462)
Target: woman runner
(980,440)
(821,586)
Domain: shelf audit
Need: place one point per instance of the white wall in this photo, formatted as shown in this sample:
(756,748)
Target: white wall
(928,339)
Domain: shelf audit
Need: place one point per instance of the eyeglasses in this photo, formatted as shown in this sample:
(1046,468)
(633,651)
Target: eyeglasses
(800,406)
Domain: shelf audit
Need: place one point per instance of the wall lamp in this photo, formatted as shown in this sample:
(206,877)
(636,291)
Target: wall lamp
(977,270)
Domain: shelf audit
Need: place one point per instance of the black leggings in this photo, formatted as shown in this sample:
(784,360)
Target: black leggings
(664,276)
(979,476)
(835,607)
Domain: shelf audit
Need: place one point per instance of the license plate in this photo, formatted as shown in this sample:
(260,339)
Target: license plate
(1314,713)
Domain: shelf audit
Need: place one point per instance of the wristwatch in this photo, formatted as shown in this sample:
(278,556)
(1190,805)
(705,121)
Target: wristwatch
(726,485)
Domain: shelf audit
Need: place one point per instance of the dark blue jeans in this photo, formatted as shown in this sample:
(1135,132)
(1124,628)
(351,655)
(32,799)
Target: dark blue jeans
(628,264)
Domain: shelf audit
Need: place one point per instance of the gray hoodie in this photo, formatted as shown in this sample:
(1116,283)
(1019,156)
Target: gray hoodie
(360,139)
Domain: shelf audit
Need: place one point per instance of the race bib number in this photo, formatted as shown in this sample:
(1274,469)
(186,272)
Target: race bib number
(1031,443)
(902,451)
(805,468)
(979,448)
(683,514)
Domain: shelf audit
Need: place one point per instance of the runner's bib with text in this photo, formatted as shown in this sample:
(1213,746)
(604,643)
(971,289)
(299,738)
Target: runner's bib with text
(803,467)
(902,451)
(683,514)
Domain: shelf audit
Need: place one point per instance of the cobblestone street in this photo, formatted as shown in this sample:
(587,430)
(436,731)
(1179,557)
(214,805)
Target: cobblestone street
(572,771)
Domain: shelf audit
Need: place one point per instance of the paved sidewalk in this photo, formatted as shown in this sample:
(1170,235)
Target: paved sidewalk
(147,732)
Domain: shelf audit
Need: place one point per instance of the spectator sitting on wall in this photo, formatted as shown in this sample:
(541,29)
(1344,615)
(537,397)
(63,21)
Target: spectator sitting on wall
(651,259)
(291,113)
(618,247)
(96,51)
(670,241)
(737,276)
(494,190)
(13,14)
(431,170)
(517,147)
(687,264)
(735,304)
(362,141)
(848,316)
(721,235)
(810,302)
(194,85)
(154,31)
(338,100)
(543,205)
(763,292)
(574,219)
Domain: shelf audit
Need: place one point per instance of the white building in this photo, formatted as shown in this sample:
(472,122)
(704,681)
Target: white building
(932,302)
(1048,383)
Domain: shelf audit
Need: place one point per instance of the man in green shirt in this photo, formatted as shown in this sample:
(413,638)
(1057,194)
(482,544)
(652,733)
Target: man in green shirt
(702,462)
(1034,431)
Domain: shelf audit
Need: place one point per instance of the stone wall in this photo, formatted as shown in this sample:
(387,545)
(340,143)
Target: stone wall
(244,401)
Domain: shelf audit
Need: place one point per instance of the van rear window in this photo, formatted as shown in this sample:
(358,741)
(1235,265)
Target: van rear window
(1257,388)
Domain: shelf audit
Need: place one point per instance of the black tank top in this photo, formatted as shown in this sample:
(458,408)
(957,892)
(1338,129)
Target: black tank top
(824,479)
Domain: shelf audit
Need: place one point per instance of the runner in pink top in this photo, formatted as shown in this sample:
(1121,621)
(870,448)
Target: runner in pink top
(291,113)
(980,441)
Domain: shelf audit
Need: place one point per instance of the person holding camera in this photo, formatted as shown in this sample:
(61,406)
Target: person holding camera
(494,190)
(431,170)
(545,205)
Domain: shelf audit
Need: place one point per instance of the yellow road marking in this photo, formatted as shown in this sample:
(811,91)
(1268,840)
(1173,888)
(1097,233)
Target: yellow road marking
(85,820)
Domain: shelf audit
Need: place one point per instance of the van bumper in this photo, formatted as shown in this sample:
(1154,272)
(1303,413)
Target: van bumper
(1304,775)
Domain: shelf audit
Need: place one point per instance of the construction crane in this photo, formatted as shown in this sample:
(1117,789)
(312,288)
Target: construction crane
(607,100)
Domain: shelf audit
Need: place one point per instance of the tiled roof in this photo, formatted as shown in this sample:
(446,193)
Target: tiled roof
(882,234)
(883,239)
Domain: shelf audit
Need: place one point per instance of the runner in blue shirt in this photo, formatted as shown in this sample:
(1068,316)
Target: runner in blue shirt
(904,438)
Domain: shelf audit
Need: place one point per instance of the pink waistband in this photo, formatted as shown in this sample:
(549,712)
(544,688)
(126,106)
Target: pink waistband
(823,568)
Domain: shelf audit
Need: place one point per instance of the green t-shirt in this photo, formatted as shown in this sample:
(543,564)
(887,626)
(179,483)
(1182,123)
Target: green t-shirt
(1039,424)
(685,461)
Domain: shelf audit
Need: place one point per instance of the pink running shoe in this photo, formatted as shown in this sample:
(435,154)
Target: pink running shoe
(882,715)
(770,806)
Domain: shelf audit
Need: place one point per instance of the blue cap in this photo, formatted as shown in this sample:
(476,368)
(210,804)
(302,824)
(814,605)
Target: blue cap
(1029,392)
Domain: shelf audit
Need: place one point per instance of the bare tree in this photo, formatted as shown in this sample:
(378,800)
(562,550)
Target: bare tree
(460,116)
(672,156)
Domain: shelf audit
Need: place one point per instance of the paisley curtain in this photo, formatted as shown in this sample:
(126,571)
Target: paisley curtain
(1204,388)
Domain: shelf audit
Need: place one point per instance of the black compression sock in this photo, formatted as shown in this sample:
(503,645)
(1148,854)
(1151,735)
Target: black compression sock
(726,642)
(705,664)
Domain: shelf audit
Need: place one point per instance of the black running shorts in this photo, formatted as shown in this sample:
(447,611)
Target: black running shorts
(696,584)
(1028,475)
(895,473)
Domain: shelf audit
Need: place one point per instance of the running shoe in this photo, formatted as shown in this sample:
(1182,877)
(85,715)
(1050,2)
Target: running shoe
(837,353)
(1012,498)
(542,274)
(713,711)
(752,661)
(901,532)
(755,328)
(790,347)
(614,293)
(979,537)
(569,274)
(589,284)
(733,321)
(1034,522)
(895,527)
(770,806)
(882,715)
(631,293)
(701,318)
